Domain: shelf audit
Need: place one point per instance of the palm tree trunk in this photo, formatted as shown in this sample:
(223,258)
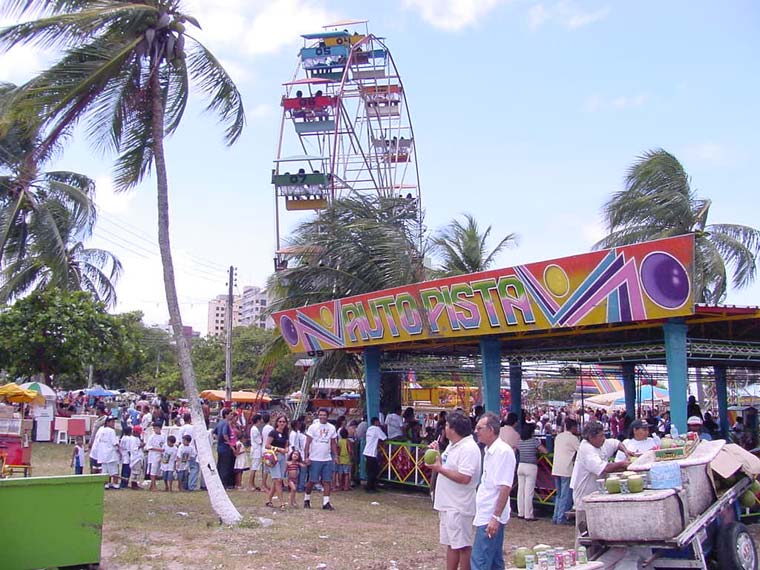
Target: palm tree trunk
(220,502)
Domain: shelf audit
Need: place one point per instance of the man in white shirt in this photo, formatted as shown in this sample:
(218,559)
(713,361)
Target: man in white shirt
(458,470)
(394,423)
(108,452)
(374,436)
(592,461)
(492,498)
(321,448)
(565,448)
(256,450)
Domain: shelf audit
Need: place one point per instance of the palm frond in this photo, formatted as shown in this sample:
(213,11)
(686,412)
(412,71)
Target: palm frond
(213,80)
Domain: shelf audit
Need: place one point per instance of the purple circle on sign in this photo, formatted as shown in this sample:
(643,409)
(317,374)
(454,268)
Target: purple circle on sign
(665,280)
(289,331)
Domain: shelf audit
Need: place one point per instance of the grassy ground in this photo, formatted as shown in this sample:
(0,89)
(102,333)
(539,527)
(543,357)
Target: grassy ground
(390,530)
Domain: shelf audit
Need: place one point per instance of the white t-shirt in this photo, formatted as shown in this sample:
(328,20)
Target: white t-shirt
(297,441)
(374,435)
(186,429)
(394,422)
(169,458)
(265,431)
(155,440)
(321,435)
(464,457)
(565,447)
(185,454)
(639,446)
(256,442)
(589,466)
(126,445)
(107,445)
(498,470)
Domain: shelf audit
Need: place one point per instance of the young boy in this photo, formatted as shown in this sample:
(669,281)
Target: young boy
(136,459)
(77,456)
(169,463)
(126,444)
(155,447)
(185,454)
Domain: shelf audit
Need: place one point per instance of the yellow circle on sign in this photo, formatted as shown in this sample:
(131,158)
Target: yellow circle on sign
(326,316)
(556,280)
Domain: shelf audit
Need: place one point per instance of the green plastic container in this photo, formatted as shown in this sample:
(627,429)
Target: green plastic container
(49,522)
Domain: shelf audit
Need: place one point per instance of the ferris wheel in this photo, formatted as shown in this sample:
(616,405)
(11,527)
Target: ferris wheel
(345,130)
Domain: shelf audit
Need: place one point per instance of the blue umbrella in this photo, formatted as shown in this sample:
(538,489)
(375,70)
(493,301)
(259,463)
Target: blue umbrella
(647,393)
(98,392)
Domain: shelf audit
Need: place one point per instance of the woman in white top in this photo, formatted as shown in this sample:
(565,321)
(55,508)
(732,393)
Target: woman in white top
(640,440)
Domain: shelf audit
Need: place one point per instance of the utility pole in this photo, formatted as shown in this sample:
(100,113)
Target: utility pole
(228,337)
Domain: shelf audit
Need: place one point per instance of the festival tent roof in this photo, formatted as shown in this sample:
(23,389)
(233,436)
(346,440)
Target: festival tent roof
(241,396)
(44,389)
(17,395)
(644,395)
(100,392)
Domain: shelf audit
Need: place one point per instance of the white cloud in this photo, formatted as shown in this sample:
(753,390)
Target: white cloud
(710,152)
(598,103)
(257,27)
(20,64)
(453,15)
(108,200)
(565,13)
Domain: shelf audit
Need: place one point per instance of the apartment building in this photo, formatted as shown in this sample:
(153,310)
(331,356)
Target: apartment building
(217,313)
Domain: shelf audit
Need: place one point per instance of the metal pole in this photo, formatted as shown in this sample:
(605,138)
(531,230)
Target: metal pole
(228,339)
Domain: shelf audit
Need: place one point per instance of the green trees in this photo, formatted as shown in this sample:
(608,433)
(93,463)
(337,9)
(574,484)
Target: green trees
(463,247)
(658,202)
(125,71)
(55,332)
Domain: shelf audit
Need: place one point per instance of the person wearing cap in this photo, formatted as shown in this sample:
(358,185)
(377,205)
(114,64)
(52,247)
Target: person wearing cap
(694,424)
(639,441)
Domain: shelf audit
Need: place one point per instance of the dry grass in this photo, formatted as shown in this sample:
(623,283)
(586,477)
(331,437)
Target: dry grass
(144,530)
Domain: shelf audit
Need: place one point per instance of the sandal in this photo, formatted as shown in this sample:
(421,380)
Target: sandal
(269,504)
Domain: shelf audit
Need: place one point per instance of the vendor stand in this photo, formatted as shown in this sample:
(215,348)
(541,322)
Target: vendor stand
(43,411)
(15,431)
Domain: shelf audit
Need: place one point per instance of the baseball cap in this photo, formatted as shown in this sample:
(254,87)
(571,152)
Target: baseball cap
(694,421)
(637,424)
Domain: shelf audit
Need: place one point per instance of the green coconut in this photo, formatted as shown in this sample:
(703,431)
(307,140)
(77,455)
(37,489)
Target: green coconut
(430,456)
(520,554)
(748,499)
(755,488)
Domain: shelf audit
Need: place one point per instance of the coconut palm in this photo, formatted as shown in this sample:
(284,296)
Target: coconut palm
(125,72)
(658,202)
(81,268)
(357,245)
(32,201)
(463,247)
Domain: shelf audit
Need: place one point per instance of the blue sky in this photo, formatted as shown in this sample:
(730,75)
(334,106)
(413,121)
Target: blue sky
(526,115)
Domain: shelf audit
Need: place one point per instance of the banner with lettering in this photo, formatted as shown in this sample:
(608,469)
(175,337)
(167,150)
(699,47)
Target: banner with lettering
(650,280)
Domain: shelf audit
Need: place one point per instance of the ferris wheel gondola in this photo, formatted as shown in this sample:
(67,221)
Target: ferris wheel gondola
(346,128)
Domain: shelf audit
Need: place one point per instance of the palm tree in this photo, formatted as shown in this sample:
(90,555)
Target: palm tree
(658,202)
(357,245)
(125,71)
(82,268)
(31,201)
(463,247)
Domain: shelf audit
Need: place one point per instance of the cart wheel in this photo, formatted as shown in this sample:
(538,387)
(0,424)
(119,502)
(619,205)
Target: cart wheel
(736,548)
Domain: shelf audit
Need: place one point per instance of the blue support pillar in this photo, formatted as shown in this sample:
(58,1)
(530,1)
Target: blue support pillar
(515,388)
(629,387)
(675,360)
(490,352)
(372,381)
(721,389)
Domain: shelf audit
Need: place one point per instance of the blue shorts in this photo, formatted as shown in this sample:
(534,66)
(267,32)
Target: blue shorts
(321,471)
(344,468)
(168,475)
(277,471)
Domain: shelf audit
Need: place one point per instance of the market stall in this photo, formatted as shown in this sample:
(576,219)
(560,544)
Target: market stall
(15,431)
(42,412)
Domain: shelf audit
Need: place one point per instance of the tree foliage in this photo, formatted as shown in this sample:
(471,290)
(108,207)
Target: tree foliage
(659,202)
(54,332)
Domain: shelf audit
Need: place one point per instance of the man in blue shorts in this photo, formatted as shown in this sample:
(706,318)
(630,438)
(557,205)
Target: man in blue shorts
(321,447)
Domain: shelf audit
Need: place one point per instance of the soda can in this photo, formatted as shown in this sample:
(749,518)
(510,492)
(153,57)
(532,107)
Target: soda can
(573,557)
(568,559)
(559,561)
(530,562)
(543,562)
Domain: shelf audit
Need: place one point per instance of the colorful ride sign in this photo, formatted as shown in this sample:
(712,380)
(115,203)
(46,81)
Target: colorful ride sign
(650,280)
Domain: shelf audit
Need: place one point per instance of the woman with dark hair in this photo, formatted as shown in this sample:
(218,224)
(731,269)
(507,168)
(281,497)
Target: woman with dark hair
(527,470)
(278,441)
